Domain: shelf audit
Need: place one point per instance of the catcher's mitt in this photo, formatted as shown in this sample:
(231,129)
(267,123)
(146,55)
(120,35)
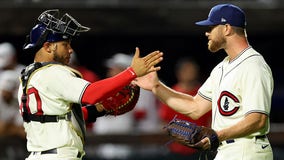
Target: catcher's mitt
(121,102)
(189,134)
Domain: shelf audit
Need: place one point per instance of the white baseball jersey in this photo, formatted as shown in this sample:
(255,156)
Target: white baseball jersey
(237,88)
(51,90)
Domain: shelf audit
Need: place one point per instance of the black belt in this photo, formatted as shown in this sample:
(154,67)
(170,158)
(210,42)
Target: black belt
(49,118)
(232,140)
(52,151)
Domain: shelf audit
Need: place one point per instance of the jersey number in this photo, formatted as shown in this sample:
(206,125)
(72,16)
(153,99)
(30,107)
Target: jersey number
(33,93)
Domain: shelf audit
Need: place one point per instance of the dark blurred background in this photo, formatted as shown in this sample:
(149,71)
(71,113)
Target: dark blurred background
(165,25)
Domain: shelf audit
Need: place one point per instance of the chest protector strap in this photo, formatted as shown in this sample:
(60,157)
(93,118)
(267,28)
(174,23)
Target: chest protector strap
(27,117)
(25,75)
(75,116)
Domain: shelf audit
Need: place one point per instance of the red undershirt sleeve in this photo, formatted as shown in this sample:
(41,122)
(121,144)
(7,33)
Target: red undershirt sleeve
(104,88)
(85,113)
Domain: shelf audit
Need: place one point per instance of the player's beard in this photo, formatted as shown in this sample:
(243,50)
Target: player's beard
(59,58)
(216,44)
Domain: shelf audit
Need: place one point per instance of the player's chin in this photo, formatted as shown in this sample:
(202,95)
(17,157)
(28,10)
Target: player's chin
(212,49)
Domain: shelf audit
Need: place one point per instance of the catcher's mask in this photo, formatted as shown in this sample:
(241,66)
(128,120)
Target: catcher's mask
(51,28)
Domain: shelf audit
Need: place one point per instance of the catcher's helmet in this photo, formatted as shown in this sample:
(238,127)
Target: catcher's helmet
(50,28)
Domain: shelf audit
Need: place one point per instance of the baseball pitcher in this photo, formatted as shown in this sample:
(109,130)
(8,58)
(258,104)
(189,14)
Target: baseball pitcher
(238,91)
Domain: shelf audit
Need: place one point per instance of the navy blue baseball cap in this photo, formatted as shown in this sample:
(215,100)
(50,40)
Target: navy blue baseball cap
(225,14)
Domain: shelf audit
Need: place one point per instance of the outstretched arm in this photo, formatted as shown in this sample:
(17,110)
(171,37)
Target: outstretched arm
(193,107)
(104,88)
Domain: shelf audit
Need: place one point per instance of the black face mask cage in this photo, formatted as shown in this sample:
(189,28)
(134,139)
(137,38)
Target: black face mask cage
(65,25)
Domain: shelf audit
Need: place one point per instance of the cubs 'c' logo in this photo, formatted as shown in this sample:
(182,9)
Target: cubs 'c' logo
(226,102)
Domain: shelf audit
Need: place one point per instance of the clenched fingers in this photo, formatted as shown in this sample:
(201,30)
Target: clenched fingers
(206,143)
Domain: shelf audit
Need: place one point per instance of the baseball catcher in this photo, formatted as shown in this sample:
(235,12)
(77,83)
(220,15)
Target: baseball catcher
(52,95)
(189,134)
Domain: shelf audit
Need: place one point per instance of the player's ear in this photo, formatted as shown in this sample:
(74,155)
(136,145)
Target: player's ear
(228,29)
(49,46)
(46,46)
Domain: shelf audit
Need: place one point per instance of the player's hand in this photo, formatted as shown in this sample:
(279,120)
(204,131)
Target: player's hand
(99,107)
(145,65)
(204,143)
(147,82)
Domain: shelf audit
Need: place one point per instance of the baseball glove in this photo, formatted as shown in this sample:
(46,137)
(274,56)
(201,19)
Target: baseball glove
(122,101)
(190,134)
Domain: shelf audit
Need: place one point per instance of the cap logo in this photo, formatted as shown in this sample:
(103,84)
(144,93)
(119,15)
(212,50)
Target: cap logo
(223,20)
